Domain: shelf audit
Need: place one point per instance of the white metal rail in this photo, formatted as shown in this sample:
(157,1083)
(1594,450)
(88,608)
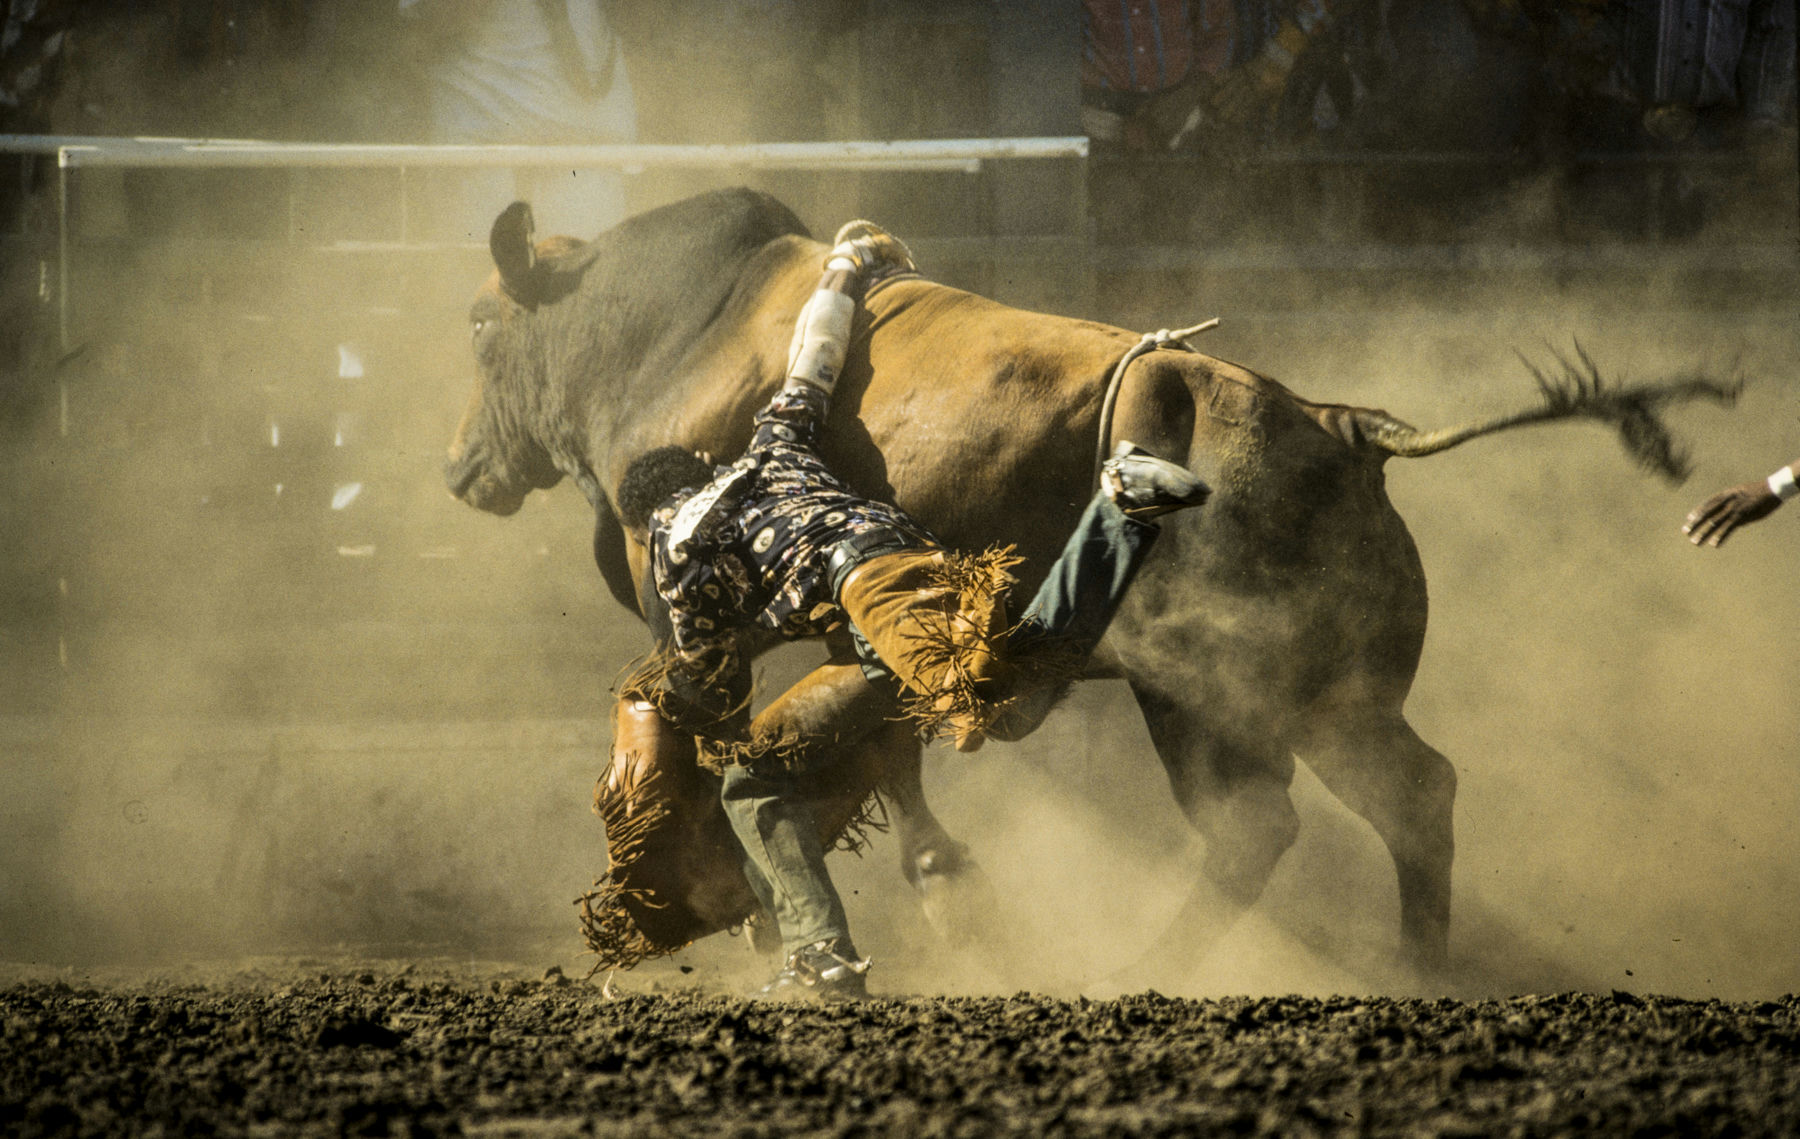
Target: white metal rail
(84,151)
(964,154)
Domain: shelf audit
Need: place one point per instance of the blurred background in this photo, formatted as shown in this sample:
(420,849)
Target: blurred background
(267,689)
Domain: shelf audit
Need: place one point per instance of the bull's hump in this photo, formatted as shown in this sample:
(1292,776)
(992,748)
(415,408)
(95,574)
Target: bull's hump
(966,325)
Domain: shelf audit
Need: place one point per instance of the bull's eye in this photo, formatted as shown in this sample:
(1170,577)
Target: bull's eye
(475,327)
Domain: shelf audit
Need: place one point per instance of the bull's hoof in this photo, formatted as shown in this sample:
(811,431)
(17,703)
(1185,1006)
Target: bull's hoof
(1427,960)
(942,862)
(960,905)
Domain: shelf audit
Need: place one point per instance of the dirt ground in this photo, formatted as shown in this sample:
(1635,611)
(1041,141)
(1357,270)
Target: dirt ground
(445,1048)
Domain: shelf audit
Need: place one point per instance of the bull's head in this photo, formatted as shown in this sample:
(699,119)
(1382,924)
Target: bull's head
(496,458)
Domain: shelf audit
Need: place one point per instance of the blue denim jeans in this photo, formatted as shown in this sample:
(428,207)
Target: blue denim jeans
(784,860)
(1087,581)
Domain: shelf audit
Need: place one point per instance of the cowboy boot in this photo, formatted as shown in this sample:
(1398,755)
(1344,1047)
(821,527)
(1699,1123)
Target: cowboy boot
(1145,487)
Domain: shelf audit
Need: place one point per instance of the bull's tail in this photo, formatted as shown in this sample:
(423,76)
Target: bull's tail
(1575,390)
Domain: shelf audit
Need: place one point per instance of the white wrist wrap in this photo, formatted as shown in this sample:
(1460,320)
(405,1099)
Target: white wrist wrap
(821,338)
(1782,485)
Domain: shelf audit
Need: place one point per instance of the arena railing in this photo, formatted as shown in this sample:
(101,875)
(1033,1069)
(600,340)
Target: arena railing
(1098,252)
(965,155)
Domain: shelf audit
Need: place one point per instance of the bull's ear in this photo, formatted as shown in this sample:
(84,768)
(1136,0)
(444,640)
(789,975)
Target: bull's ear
(510,243)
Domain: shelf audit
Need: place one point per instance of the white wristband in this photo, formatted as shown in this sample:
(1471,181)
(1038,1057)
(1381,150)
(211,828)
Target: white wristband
(1782,484)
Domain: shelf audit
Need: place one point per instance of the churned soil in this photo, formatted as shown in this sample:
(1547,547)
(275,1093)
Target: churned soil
(417,1051)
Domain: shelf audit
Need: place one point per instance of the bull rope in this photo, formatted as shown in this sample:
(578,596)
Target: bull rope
(1162,338)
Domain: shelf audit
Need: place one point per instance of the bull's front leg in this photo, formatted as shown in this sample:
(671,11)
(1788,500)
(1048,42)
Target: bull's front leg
(958,899)
(927,851)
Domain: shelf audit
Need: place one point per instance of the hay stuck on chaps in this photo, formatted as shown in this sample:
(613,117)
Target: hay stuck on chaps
(1283,620)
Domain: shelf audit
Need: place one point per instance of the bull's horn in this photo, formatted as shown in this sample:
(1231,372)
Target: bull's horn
(514,255)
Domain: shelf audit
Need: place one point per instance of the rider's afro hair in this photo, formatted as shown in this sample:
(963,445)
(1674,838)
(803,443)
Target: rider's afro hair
(653,478)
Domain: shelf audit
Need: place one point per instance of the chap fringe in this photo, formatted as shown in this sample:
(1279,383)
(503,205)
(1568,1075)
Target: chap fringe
(961,701)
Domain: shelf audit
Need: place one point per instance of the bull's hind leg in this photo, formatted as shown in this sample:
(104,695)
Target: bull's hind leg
(1233,786)
(1375,763)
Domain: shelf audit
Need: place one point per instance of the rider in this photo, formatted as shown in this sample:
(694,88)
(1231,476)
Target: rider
(777,541)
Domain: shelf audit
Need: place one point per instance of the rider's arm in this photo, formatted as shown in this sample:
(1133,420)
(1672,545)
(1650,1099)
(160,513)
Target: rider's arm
(822,331)
(794,418)
(796,414)
(709,677)
(704,661)
(706,673)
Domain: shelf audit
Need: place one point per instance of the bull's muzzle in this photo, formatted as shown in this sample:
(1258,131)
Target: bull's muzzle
(468,478)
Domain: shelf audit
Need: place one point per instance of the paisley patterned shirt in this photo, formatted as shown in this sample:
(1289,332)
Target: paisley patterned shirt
(751,547)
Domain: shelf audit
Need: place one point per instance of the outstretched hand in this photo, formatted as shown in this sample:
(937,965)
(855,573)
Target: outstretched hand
(1710,523)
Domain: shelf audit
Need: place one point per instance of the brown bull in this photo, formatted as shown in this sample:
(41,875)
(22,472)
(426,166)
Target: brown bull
(1285,619)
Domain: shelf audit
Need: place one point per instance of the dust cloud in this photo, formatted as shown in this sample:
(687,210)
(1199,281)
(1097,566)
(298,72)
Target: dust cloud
(251,709)
(272,683)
